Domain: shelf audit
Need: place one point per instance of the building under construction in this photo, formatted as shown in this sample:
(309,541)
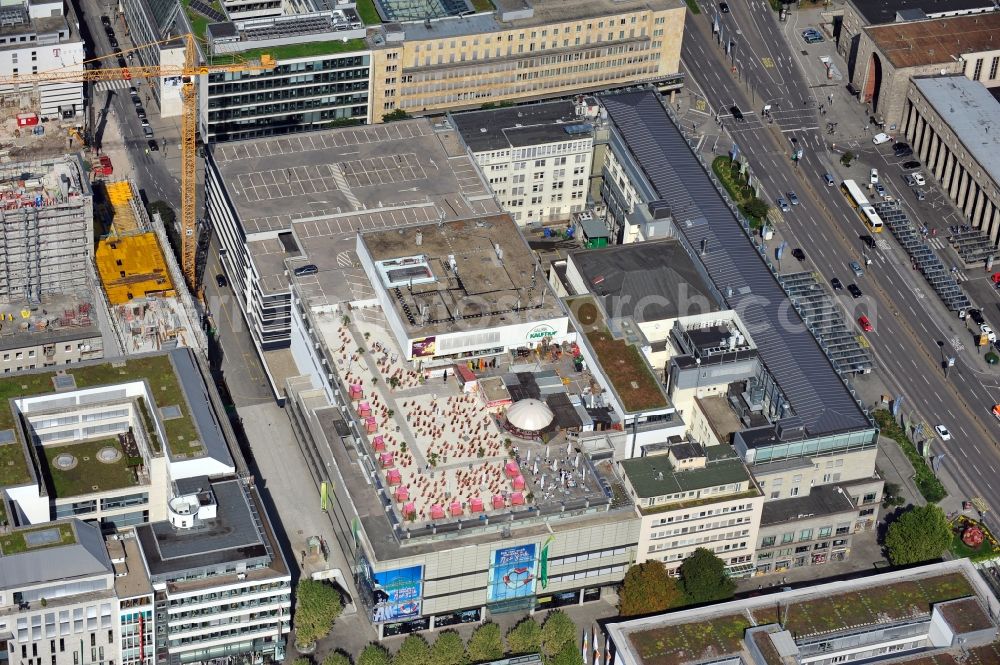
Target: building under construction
(46,228)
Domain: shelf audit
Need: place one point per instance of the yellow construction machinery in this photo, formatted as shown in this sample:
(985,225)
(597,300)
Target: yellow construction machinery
(187,72)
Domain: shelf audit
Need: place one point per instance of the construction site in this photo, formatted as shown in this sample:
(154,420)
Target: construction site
(46,228)
(149,305)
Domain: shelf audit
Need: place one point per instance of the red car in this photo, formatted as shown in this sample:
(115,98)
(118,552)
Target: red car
(865,324)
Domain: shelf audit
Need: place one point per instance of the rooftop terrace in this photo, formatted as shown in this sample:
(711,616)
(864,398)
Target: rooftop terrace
(89,466)
(621,362)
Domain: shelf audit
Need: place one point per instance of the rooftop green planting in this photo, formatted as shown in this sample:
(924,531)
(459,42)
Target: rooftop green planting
(686,642)
(290,51)
(869,606)
(97,466)
(623,363)
(13,466)
(20,541)
(368,13)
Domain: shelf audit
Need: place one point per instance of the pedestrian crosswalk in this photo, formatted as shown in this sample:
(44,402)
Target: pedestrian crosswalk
(936,243)
(105,86)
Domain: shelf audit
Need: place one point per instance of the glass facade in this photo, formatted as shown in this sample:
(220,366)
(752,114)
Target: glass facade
(293,97)
(811,447)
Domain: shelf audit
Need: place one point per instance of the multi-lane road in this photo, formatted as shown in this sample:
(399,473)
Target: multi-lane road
(910,322)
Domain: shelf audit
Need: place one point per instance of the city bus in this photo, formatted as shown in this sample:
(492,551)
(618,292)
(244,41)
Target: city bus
(860,202)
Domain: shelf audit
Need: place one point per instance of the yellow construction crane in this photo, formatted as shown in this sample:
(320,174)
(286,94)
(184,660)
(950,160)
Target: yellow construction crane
(187,72)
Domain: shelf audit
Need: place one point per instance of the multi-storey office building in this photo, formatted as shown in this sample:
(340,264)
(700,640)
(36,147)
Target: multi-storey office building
(690,497)
(222,588)
(57,595)
(39,36)
(536,157)
(522,51)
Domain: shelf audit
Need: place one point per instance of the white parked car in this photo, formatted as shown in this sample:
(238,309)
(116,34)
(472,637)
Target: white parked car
(986,330)
(943,432)
(881,138)
(874,176)
(919,179)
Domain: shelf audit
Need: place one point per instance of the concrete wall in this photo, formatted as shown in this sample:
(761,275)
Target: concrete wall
(822,471)
(27,355)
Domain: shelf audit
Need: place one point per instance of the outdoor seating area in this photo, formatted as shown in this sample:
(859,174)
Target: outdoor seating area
(441,454)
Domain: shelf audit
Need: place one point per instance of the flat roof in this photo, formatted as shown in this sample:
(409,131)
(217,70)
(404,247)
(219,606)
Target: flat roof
(516,126)
(654,475)
(792,356)
(648,281)
(131,579)
(821,500)
(232,536)
(275,181)
(52,551)
(542,12)
(876,12)
(797,618)
(918,43)
(971,112)
(484,276)
(58,318)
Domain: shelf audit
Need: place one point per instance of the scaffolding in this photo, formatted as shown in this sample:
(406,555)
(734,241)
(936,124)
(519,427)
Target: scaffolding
(46,229)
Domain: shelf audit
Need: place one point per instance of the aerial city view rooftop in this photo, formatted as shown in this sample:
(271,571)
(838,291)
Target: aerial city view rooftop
(507,332)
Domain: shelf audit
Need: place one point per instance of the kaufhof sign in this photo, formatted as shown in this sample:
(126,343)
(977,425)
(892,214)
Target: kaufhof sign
(538,333)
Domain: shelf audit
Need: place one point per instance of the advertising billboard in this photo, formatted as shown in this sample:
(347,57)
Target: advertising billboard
(397,594)
(425,347)
(512,573)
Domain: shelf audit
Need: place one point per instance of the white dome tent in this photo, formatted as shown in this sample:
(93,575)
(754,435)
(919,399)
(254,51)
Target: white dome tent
(528,418)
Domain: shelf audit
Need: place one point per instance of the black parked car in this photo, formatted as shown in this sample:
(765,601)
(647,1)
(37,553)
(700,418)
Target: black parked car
(911,165)
(220,280)
(799,254)
(855,291)
(976,316)
(837,284)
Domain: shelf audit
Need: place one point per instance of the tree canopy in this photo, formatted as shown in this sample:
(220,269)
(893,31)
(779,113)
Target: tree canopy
(920,534)
(569,654)
(648,588)
(337,658)
(485,643)
(704,578)
(448,649)
(318,605)
(557,630)
(413,651)
(525,637)
(374,654)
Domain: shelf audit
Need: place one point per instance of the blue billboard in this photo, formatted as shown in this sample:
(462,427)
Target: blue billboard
(512,573)
(397,594)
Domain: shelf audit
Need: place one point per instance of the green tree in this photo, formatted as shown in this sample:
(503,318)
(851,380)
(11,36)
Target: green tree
(648,588)
(485,643)
(847,158)
(557,630)
(318,605)
(337,658)
(413,651)
(704,578)
(398,114)
(525,637)
(302,660)
(569,654)
(920,534)
(374,654)
(448,649)
(757,208)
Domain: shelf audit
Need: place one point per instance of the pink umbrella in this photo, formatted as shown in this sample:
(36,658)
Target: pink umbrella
(402,494)
(364,409)
(512,469)
(437,511)
(357,392)
(498,501)
(517,499)
(386,460)
(409,509)
(371,424)
(379,443)
(456,509)
(394,477)
(519,483)
(476,505)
